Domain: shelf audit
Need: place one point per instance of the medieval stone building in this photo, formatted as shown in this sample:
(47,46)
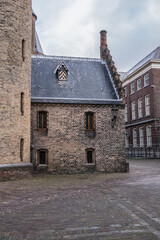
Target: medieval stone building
(77,121)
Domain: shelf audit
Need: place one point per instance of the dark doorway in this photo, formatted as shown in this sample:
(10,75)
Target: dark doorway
(42,157)
(89,156)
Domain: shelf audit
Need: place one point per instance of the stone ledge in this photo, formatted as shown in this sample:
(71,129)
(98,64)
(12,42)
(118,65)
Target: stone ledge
(15,165)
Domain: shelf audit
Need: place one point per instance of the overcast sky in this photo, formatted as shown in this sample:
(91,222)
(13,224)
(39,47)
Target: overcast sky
(71,28)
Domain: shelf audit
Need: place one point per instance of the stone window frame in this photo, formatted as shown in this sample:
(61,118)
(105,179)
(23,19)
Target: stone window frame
(87,116)
(93,157)
(38,119)
(46,156)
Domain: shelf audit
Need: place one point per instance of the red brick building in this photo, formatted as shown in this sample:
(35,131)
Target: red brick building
(142,107)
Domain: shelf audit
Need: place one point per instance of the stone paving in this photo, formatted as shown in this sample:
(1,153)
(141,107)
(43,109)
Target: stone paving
(91,206)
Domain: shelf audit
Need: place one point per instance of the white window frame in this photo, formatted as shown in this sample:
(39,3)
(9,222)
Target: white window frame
(147,105)
(146,80)
(141,137)
(139,84)
(133,108)
(134,137)
(126,113)
(132,87)
(140,108)
(149,136)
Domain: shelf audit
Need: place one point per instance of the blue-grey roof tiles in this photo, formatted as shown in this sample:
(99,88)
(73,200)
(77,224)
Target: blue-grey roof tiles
(88,81)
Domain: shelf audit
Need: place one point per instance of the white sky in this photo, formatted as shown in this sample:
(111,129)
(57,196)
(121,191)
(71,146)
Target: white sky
(71,28)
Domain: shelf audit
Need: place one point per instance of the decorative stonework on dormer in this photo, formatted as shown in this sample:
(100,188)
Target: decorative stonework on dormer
(62,71)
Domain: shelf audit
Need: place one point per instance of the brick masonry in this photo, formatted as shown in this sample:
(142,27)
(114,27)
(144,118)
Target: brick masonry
(66,139)
(15,75)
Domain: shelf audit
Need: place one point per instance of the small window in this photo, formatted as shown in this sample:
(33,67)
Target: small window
(147,105)
(22,103)
(139,84)
(42,120)
(146,80)
(43,155)
(90,121)
(21,149)
(132,88)
(133,107)
(90,156)
(23,49)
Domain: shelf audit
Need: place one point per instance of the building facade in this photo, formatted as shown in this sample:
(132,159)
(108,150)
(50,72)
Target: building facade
(142,107)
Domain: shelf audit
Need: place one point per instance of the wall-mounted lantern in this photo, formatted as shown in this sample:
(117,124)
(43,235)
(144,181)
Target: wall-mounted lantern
(114,112)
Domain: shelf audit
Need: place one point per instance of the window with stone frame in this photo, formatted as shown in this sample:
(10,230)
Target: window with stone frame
(139,84)
(132,88)
(133,108)
(141,137)
(149,136)
(42,157)
(147,105)
(42,120)
(90,156)
(140,113)
(146,80)
(90,121)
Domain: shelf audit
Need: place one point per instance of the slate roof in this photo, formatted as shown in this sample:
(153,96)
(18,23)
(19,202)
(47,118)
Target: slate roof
(155,55)
(38,47)
(88,81)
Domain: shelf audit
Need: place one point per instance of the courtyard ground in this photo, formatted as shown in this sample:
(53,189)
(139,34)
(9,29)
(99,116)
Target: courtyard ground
(91,206)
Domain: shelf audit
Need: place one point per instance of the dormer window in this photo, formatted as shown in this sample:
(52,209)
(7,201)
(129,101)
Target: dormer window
(62,72)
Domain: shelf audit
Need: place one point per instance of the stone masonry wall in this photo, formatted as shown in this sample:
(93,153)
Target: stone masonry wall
(66,139)
(15,77)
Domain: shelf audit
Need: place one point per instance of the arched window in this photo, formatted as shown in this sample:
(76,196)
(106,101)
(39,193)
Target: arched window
(21,149)
(90,121)
(23,49)
(22,103)
(42,120)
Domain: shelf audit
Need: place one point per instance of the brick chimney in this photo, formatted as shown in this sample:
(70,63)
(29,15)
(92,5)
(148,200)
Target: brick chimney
(103,46)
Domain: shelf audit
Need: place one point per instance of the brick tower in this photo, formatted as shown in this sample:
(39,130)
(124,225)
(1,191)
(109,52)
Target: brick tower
(15,81)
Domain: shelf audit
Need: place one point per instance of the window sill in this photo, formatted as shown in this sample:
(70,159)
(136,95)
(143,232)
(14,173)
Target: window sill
(42,166)
(90,134)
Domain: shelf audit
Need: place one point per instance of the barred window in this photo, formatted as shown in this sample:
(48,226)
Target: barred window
(42,120)
(90,121)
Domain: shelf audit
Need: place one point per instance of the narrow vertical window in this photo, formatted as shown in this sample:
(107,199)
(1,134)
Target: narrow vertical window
(139,84)
(125,91)
(90,156)
(126,139)
(43,156)
(22,103)
(132,88)
(126,113)
(21,149)
(146,80)
(149,136)
(141,137)
(133,107)
(134,138)
(147,105)
(42,120)
(140,108)
(23,49)
(90,121)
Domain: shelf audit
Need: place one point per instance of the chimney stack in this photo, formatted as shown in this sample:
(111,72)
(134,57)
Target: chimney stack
(103,40)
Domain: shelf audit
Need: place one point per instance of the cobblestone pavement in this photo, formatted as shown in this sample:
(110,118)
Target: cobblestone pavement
(91,206)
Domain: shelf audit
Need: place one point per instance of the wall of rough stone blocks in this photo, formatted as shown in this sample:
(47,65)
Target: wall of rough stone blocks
(15,77)
(66,139)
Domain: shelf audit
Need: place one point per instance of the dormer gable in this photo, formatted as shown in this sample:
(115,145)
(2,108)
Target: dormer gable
(62,71)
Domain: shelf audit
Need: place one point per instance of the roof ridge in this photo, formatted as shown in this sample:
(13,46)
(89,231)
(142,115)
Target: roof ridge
(67,58)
